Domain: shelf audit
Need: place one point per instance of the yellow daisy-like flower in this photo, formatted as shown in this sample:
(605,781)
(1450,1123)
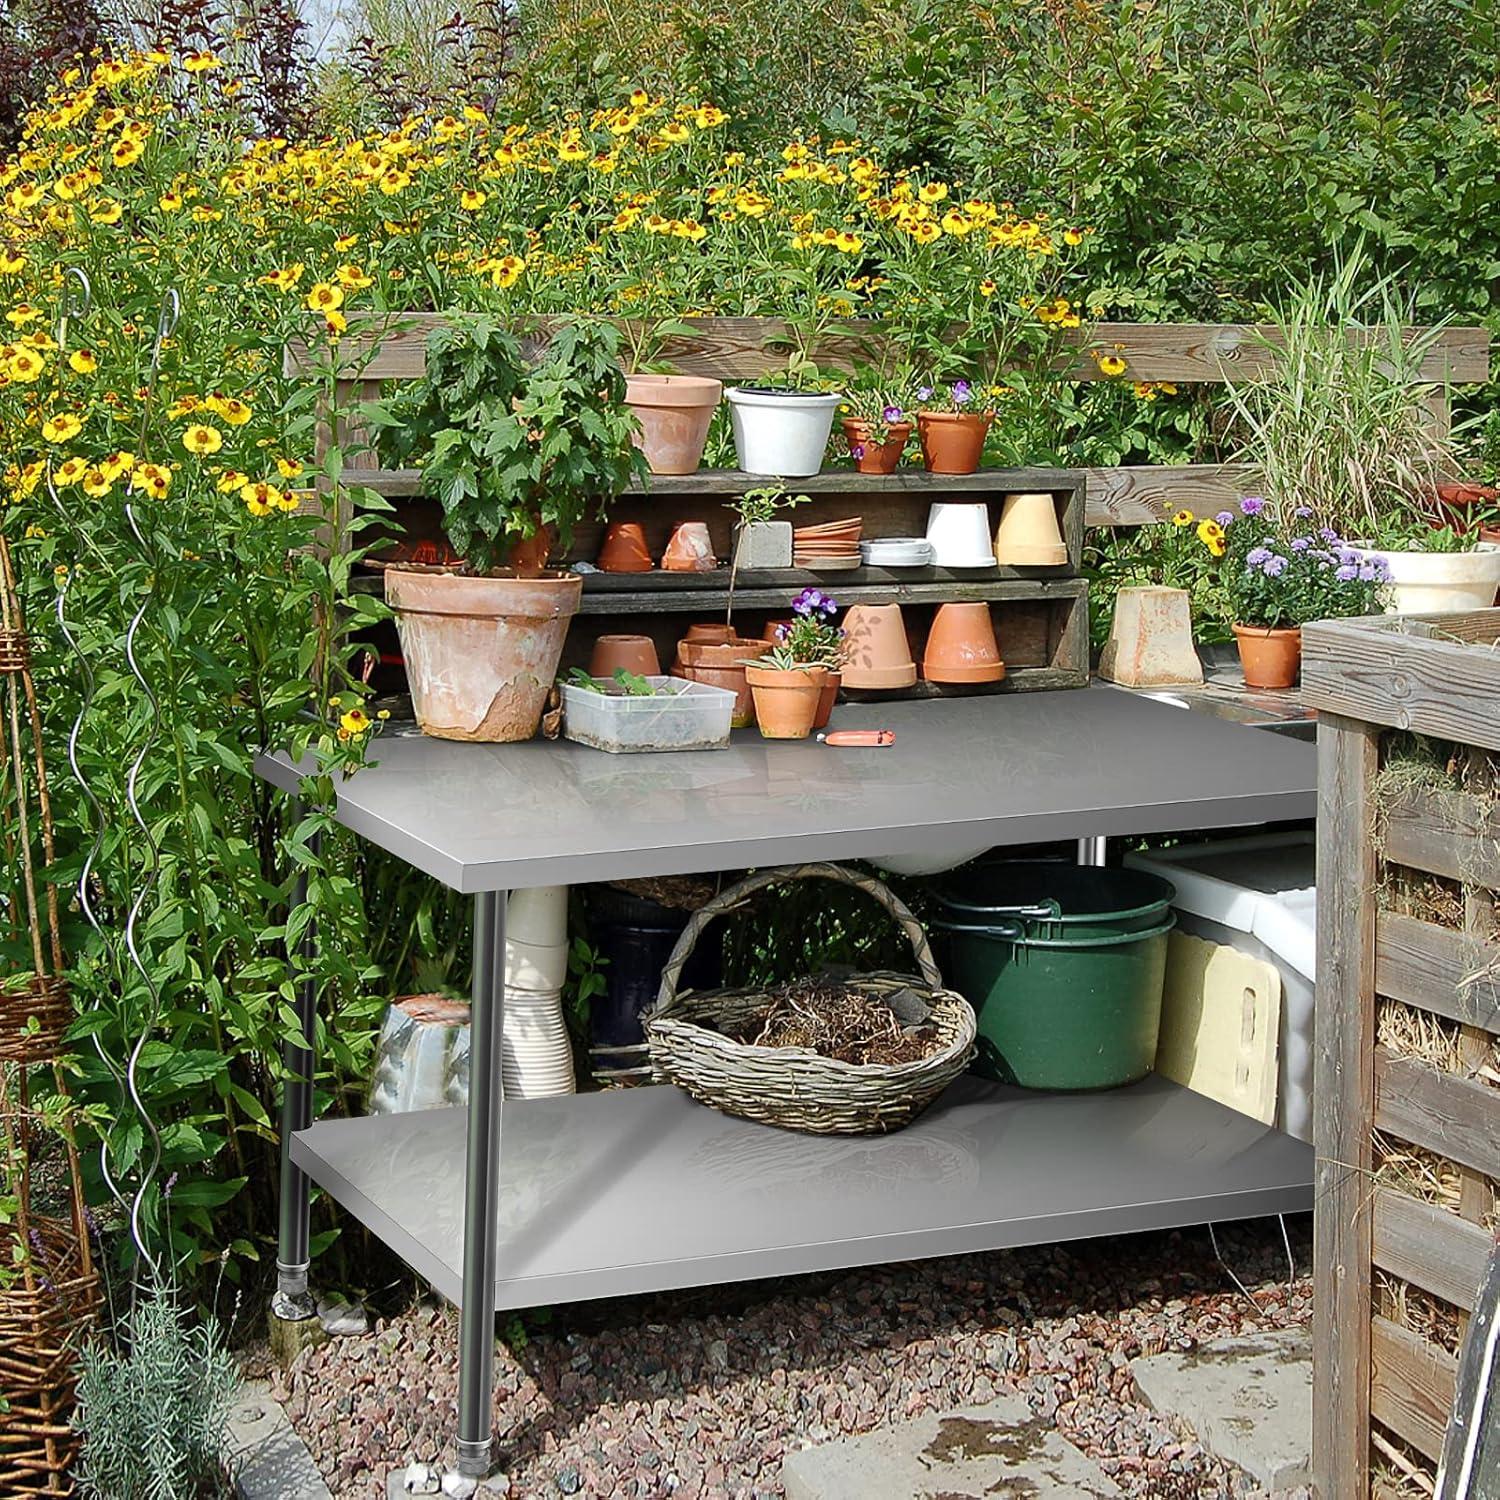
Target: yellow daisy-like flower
(1144,390)
(286,279)
(355,722)
(153,480)
(125,153)
(25,365)
(82,362)
(707,116)
(933,192)
(987,288)
(472,200)
(675,133)
(848,243)
(201,438)
(118,463)
(335,323)
(69,472)
(1183,518)
(184,405)
(96,484)
(1072,236)
(261,498)
(393,181)
(353,278)
(925,232)
(169,203)
(231,409)
(62,428)
(199,62)
(106,211)
(325,297)
(288,468)
(22,314)
(1211,534)
(231,479)
(11,263)
(1111,364)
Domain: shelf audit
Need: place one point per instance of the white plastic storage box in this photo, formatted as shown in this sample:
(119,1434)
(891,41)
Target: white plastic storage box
(680,715)
(1258,895)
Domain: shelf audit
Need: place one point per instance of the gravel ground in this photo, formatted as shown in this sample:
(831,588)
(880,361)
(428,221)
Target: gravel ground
(699,1394)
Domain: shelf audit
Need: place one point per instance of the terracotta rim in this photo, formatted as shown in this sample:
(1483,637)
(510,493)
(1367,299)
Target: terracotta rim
(880,677)
(992,672)
(673,390)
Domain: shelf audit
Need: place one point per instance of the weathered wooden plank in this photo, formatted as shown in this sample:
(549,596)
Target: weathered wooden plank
(1411,1386)
(1430,1247)
(1380,672)
(1476,627)
(1456,1117)
(1450,973)
(1343,1109)
(1446,833)
(787,583)
(1141,494)
(743,348)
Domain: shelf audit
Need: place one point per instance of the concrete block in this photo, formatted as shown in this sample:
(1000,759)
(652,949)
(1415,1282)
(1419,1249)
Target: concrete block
(765,544)
(975,1453)
(1248,1399)
(270,1461)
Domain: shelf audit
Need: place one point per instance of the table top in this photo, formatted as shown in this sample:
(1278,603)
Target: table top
(965,774)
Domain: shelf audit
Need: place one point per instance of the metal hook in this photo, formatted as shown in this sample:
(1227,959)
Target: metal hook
(77,302)
(166,322)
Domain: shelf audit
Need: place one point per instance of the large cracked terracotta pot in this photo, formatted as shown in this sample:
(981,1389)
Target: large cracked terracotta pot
(481,652)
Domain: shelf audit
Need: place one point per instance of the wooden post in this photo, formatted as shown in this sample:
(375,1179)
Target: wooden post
(1344,1109)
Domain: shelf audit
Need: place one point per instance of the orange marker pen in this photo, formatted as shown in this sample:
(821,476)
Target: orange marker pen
(859,737)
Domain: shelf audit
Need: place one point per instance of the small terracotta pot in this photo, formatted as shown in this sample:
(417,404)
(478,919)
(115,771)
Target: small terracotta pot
(1462,492)
(1270,658)
(624,549)
(877,654)
(827,699)
(953,441)
(528,555)
(875,458)
(1029,535)
(1489,533)
(675,412)
(722,664)
(786,699)
(481,652)
(691,550)
(702,635)
(628,653)
(961,646)
(772,626)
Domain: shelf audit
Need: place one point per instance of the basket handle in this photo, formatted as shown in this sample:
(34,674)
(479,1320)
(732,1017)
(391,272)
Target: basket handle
(738,894)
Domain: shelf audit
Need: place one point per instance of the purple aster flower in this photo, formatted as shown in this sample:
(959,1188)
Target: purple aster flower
(1303,511)
(1274,566)
(1258,556)
(1346,573)
(892,414)
(963,392)
(1301,543)
(1252,505)
(1225,518)
(1330,536)
(1370,573)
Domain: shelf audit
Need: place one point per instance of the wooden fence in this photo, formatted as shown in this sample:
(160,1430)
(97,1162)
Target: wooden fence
(744,348)
(1407,1135)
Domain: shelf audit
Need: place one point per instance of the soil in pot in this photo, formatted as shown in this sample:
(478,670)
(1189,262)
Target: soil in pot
(1270,658)
(952,441)
(675,412)
(870,457)
(786,699)
(481,652)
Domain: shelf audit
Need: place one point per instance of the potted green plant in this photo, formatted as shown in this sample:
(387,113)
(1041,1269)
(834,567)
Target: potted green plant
(517,451)
(796,681)
(1338,424)
(876,426)
(952,423)
(1278,577)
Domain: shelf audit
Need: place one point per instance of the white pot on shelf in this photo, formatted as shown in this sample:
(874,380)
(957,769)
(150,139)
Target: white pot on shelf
(539,915)
(781,433)
(536,1057)
(1428,583)
(959,531)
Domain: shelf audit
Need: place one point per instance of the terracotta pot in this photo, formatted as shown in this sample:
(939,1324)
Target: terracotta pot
(772,626)
(877,654)
(875,458)
(961,646)
(528,555)
(952,441)
(827,699)
(481,652)
(1270,658)
(1462,492)
(1029,535)
(721,664)
(675,412)
(629,653)
(702,635)
(1489,534)
(690,550)
(624,549)
(786,699)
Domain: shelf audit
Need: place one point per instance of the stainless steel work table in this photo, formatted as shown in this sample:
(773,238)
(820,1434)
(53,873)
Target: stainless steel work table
(640,1189)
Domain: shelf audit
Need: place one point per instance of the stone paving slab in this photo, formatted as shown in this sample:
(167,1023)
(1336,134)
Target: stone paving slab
(271,1461)
(998,1451)
(1249,1400)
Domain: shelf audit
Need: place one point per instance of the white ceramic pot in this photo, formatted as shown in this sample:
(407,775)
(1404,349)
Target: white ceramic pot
(1428,583)
(959,531)
(781,433)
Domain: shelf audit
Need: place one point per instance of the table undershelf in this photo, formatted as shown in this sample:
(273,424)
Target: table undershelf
(641,1190)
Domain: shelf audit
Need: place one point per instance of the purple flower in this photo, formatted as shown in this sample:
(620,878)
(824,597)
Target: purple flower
(924,393)
(1252,505)
(892,414)
(1347,555)
(963,392)
(1303,511)
(1225,518)
(1301,543)
(1258,557)
(857,452)
(1274,566)
(1347,573)
(1371,573)
(1330,536)
(782,632)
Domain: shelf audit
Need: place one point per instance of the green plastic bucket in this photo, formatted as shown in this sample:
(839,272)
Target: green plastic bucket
(1064,966)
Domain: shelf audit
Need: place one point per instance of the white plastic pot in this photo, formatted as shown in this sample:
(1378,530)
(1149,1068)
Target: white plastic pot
(538,915)
(1428,583)
(781,433)
(959,531)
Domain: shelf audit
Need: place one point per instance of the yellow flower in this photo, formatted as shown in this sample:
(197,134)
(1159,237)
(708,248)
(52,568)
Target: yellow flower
(848,242)
(169,202)
(82,362)
(1144,390)
(286,279)
(199,62)
(69,472)
(472,200)
(1211,534)
(152,480)
(355,722)
(394,180)
(25,365)
(231,479)
(183,405)
(106,210)
(925,232)
(1072,236)
(202,438)
(325,297)
(933,192)
(126,153)
(707,117)
(353,277)
(987,288)
(261,498)
(230,408)
(335,323)
(118,463)
(1183,518)
(22,314)
(61,428)
(1111,364)
(11,262)
(96,484)
(288,468)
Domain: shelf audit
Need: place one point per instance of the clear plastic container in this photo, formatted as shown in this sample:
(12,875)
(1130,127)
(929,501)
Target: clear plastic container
(679,716)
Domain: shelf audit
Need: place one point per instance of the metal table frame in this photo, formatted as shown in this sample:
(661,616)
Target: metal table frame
(1241,789)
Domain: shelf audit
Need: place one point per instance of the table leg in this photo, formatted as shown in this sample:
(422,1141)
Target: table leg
(293,1301)
(1093,851)
(476,1337)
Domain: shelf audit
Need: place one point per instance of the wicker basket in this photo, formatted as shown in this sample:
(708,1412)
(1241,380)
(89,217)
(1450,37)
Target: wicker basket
(791,1086)
(35,1012)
